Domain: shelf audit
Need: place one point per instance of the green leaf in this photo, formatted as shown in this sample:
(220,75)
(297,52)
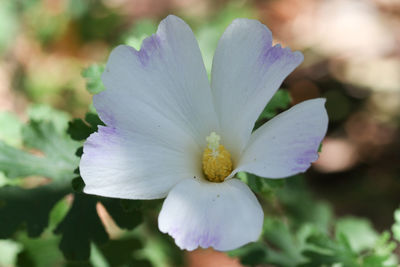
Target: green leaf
(124,218)
(123,252)
(81,226)
(287,250)
(45,113)
(325,251)
(28,207)
(92,74)
(252,254)
(281,100)
(396,225)
(80,129)
(59,160)
(10,129)
(263,186)
(301,207)
(43,251)
(359,233)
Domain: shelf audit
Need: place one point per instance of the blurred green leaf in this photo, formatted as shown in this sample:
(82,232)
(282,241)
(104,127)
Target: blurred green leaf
(140,30)
(325,251)
(396,225)
(28,207)
(39,252)
(301,207)
(92,75)
(359,233)
(8,24)
(45,113)
(252,254)
(280,101)
(59,160)
(287,250)
(10,129)
(338,105)
(122,252)
(263,186)
(8,251)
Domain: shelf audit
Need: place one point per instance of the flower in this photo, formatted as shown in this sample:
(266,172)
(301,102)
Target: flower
(169,133)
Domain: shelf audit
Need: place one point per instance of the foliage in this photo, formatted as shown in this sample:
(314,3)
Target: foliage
(46,219)
(31,207)
(287,241)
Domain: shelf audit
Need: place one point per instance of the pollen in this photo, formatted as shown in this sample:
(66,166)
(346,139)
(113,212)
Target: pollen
(217,163)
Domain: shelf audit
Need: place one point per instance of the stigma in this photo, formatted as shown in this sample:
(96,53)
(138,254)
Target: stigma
(217,163)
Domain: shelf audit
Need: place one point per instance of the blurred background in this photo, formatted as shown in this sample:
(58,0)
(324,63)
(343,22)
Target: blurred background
(352,58)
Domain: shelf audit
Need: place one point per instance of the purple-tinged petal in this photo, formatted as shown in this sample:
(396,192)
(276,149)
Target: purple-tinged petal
(287,144)
(247,70)
(198,213)
(161,89)
(122,164)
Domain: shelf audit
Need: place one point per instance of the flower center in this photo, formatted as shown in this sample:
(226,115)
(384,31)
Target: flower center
(217,163)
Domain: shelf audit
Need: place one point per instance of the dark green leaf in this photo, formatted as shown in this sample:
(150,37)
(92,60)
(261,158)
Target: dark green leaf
(263,186)
(93,120)
(78,184)
(124,218)
(252,254)
(281,100)
(80,227)
(29,207)
(122,253)
(80,130)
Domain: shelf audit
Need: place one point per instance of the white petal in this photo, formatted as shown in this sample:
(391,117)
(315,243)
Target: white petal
(224,215)
(287,144)
(162,89)
(246,72)
(124,164)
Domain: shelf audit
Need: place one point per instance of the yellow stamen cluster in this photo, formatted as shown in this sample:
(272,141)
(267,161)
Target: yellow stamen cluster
(217,163)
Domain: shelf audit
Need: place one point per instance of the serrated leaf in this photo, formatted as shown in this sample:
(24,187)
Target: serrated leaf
(127,219)
(29,207)
(80,129)
(325,251)
(359,233)
(80,227)
(45,113)
(287,250)
(57,163)
(92,74)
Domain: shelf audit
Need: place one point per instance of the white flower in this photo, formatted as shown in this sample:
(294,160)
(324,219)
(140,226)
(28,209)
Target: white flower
(170,134)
